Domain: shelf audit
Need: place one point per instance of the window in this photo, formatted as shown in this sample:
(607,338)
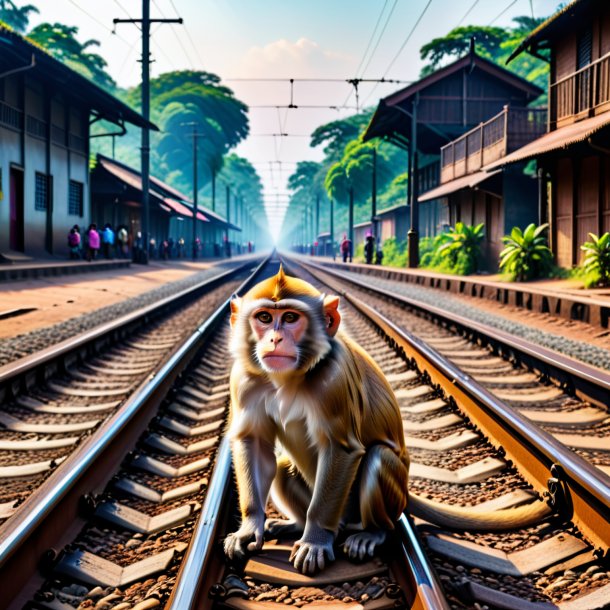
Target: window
(75,198)
(584,52)
(41,199)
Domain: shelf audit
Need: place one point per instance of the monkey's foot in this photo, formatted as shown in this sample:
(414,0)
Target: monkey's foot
(363,543)
(282,528)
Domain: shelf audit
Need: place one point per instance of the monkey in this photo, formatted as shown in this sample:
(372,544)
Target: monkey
(299,383)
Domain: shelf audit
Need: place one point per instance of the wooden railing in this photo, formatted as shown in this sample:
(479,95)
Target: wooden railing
(581,94)
(488,142)
(10,116)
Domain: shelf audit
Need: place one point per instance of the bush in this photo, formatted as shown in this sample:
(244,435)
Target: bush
(395,252)
(526,255)
(460,247)
(359,254)
(597,260)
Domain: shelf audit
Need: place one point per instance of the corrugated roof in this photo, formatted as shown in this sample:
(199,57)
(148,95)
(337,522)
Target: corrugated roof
(469,181)
(556,140)
(552,26)
(74,85)
(183,210)
(162,191)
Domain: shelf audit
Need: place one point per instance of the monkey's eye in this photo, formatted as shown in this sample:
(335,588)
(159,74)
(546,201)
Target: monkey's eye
(290,317)
(264,316)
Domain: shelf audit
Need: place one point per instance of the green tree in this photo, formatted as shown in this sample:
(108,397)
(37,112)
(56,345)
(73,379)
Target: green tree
(16,17)
(61,42)
(495,44)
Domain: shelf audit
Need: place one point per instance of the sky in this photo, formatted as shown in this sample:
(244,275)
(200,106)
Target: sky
(334,40)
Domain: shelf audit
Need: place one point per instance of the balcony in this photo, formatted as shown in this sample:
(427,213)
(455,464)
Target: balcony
(582,94)
(507,131)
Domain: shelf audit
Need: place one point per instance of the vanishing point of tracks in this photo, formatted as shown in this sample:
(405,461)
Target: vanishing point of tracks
(133,517)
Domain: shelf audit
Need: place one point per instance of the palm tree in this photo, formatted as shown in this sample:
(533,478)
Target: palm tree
(17,17)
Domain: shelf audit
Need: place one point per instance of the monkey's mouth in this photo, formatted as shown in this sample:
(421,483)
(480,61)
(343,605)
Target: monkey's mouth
(279,361)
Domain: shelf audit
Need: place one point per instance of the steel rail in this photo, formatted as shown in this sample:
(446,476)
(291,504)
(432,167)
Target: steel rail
(12,371)
(429,589)
(197,559)
(586,487)
(71,476)
(592,381)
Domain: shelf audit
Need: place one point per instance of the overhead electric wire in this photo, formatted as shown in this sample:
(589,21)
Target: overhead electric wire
(186,54)
(385,25)
(368,46)
(188,35)
(467,13)
(502,12)
(113,32)
(402,46)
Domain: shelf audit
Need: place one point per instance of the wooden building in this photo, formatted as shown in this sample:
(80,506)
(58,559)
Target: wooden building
(500,200)
(437,109)
(116,196)
(574,155)
(46,110)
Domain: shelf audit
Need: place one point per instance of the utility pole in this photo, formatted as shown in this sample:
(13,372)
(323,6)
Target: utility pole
(195,135)
(317,231)
(374,198)
(350,230)
(145,169)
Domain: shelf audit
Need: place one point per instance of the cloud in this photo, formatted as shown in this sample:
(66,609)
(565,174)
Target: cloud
(303,59)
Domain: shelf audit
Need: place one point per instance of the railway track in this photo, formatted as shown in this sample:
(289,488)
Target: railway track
(54,400)
(141,527)
(564,397)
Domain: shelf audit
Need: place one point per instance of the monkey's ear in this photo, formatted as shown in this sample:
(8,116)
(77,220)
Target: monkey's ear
(235,305)
(331,314)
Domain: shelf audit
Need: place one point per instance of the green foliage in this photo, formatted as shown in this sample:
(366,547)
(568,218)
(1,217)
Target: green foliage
(495,44)
(359,253)
(395,253)
(16,17)
(526,255)
(457,41)
(337,134)
(460,247)
(61,42)
(596,263)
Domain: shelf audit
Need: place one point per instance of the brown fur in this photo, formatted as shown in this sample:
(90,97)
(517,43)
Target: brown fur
(336,418)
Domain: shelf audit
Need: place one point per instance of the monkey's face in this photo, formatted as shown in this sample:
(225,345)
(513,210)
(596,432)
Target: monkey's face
(278,332)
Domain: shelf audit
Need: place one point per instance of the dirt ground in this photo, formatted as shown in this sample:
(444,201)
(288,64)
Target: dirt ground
(56,299)
(60,298)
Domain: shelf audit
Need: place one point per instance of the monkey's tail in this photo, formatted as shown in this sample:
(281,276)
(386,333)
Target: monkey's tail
(463,517)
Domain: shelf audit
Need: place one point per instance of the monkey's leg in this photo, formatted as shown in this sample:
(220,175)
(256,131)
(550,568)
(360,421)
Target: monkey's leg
(383,497)
(292,496)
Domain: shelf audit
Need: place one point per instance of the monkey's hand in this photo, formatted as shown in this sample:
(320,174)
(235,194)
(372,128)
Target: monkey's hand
(310,552)
(249,537)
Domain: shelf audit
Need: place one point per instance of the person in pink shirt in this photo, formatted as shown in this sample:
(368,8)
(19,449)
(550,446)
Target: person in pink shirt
(93,239)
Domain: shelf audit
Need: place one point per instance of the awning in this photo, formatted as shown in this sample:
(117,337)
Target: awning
(561,138)
(469,181)
(182,210)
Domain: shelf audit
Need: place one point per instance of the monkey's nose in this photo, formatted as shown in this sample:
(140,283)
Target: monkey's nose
(276,340)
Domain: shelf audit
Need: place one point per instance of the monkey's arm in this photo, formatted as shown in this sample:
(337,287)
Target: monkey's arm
(335,474)
(253,435)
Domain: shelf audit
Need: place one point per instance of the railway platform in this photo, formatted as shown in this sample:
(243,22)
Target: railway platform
(564,298)
(43,298)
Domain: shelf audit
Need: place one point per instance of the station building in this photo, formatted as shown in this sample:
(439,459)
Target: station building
(573,156)
(461,109)
(116,197)
(46,111)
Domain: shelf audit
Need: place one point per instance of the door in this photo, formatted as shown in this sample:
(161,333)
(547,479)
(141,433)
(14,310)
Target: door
(16,240)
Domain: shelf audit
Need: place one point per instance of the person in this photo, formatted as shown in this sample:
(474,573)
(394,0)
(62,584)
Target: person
(346,248)
(122,239)
(74,242)
(180,247)
(93,242)
(369,248)
(108,240)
